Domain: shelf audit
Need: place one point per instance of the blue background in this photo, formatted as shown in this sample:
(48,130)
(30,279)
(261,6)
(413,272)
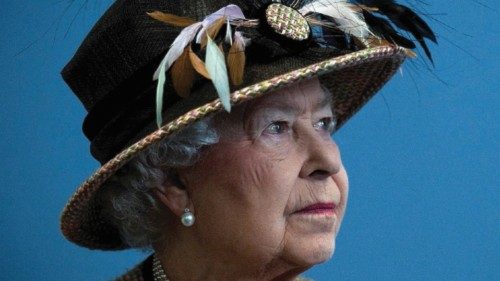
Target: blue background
(423,156)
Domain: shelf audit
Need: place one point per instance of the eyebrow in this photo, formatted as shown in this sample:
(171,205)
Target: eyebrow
(326,101)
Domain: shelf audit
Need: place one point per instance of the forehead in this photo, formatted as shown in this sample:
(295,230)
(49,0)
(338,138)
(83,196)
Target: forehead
(297,97)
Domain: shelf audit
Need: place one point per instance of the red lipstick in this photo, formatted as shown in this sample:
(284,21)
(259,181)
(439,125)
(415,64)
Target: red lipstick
(318,208)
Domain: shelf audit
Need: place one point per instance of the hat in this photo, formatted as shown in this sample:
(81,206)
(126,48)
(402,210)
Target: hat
(150,68)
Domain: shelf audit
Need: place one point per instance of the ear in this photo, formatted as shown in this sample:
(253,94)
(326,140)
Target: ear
(174,196)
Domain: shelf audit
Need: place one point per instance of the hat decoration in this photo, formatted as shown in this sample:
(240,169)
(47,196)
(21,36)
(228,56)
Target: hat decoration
(294,24)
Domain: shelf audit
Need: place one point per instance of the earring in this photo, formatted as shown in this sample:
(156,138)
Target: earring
(187,219)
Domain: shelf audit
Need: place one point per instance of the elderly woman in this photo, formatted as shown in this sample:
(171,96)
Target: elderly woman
(238,178)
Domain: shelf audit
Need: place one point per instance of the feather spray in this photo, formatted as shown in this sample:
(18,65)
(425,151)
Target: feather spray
(178,46)
(216,67)
(405,19)
(347,19)
(189,60)
(231,12)
(212,30)
(384,29)
(176,50)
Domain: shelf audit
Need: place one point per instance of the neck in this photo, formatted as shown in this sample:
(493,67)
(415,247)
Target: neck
(185,259)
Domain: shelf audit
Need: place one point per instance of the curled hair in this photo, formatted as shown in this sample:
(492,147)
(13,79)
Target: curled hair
(129,201)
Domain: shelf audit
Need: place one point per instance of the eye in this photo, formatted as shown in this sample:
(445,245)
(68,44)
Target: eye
(325,124)
(277,127)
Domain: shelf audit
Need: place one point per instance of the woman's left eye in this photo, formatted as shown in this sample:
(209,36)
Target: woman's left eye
(277,127)
(326,124)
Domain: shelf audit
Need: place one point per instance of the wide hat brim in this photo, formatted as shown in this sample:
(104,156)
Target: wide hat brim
(352,79)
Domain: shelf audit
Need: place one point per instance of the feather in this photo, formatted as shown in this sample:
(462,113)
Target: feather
(183,74)
(236,59)
(159,94)
(231,12)
(229,33)
(360,7)
(171,19)
(175,51)
(178,46)
(410,53)
(213,30)
(348,20)
(216,67)
(382,28)
(198,64)
(406,19)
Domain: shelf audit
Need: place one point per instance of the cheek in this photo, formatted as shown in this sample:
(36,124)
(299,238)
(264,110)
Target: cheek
(342,181)
(240,198)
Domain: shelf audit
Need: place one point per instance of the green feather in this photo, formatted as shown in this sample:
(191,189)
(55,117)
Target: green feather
(216,67)
(159,94)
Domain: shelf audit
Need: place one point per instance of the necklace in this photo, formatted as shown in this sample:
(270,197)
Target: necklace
(160,275)
(158,272)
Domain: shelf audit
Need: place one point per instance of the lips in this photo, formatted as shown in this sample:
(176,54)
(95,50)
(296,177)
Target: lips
(318,208)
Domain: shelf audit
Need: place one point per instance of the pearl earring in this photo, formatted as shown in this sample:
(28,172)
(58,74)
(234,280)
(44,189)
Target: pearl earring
(187,218)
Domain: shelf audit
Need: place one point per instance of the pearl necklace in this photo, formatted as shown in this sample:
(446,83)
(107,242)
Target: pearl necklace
(158,272)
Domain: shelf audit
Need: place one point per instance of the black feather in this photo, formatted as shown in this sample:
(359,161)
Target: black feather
(403,18)
(407,19)
(421,40)
(382,28)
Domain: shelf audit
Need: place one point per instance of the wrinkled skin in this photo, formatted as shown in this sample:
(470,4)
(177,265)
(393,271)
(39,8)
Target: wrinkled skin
(275,157)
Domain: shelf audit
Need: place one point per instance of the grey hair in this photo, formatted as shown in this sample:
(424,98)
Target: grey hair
(129,201)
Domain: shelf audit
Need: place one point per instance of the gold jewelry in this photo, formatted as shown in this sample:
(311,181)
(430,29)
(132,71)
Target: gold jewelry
(158,272)
(160,275)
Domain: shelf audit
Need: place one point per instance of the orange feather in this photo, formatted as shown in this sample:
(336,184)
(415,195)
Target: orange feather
(198,64)
(171,19)
(213,30)
(182,74)
(236,62)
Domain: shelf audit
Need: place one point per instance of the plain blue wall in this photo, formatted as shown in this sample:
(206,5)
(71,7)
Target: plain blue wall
(423,156)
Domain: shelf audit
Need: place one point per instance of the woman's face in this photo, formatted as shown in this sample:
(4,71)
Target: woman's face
(274,188)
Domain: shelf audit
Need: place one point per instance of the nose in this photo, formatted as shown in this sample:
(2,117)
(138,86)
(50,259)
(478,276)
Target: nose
(322,158)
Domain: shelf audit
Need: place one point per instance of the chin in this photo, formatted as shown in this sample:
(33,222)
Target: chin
(322,254)
(314,251)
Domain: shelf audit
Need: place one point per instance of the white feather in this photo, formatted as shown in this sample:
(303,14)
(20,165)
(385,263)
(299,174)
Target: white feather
(177,47)
(216,67)
(232,12)
(229,33)
(159,94)
(349,21)
(240,39)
